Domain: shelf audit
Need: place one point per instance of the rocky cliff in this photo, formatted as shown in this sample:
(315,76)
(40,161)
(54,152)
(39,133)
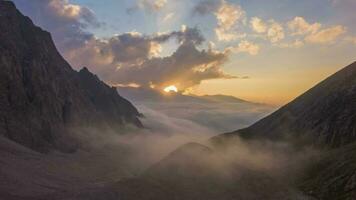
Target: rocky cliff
(41,97)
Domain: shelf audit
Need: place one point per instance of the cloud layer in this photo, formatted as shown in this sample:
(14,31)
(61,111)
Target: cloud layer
(135,58)
(128,58)
(231,26)
(64,20)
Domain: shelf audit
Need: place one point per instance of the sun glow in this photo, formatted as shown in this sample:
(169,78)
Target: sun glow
(171,88)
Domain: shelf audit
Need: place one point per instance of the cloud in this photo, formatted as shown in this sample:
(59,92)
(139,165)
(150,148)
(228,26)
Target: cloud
(258,25)
(296,44)
(66,21)
(247,47)
(168,17)
(301,27)
(351,39)
(326,36)
(148,5)
(275,32)
(313,32)
(168,126)
(227,15)
(216,113)
(271,30)
(300,31)
(127,58)
(133,58)
(185,68)
(206,7)
(224,35)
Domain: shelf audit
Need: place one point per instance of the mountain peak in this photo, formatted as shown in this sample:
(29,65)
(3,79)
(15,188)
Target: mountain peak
(42,98)
(84,70)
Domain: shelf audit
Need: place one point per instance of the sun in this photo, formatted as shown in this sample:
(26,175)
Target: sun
(171,88)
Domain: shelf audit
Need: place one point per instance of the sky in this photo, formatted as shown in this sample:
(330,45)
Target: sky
(267,51)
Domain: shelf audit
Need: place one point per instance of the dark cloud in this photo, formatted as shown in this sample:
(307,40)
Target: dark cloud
(129,57)
(206,7)
(65,21)
(185,68)
(133,46)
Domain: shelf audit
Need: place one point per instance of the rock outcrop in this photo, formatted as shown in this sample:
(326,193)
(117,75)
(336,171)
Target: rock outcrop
(41,97)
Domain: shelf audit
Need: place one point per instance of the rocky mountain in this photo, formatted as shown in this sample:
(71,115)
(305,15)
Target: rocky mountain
(326,114)
(43,101)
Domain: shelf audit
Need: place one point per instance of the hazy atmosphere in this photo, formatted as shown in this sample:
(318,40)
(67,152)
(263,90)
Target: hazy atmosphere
(177,100)
(231,47)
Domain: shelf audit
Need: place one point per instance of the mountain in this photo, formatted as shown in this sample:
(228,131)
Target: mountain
(223,98)
(43,101)
(195,171)
(325,114)
(152,95)
(218,113)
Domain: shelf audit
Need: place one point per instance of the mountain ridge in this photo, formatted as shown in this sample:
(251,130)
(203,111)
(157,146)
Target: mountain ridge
(326,114)
(43,101)
(148,94)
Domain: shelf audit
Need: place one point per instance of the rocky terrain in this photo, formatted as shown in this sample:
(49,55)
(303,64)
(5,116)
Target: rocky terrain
(43,101)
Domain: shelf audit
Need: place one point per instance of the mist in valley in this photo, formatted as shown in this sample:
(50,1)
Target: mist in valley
(175,152)
(113,100)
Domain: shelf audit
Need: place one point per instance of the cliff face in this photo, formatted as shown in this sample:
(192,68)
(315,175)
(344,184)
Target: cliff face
(326,114)
(41,97)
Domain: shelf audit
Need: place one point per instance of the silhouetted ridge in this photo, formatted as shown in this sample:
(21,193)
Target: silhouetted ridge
(326,113)
(41,97)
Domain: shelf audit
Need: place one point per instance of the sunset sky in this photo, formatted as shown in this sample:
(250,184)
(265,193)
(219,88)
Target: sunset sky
(266,51)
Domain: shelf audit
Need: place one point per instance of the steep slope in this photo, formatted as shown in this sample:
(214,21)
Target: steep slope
(326,114)
(41,97)
(194,171)
(333,175)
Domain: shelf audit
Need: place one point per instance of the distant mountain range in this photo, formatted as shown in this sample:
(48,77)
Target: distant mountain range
(152,95)
(323,118)
(304,150)
(218,113)
(42,99)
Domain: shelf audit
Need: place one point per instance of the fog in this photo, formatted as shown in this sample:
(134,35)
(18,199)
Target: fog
(175,148)
(169,125)
(178,153)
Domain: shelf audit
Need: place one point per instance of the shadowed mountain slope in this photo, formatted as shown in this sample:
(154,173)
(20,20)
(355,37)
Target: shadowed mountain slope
(326,114)
(41,97)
